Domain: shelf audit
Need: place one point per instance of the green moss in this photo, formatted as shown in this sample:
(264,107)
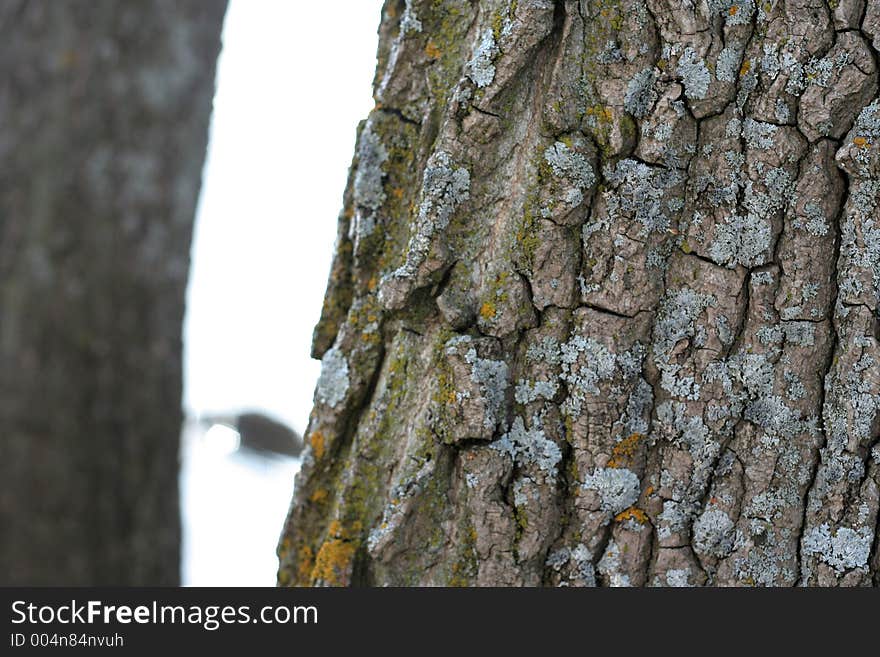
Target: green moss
(444,395)
(497,24)
(527,239)
(465,567)
(389,244)
(628,128)
(447,22)
(498,289)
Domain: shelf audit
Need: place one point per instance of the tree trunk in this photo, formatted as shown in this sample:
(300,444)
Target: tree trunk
(105,108)
(603,309)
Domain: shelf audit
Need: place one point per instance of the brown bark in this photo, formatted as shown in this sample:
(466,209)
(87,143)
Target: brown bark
(105,108)
(604,303)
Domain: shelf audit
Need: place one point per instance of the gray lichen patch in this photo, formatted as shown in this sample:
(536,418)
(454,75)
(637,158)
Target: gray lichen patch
(527,392)
(587,363)
(529,446)
(481,69)
(409,21)
(492,377)
(572,566)
(688,459)
(640,93)
(546,351)
(445,186)
(641,192)
(860,154)
(860,245)
(609,567)
(837,537)
(369,193)
(815,223)
(742,240)
(735,12)
(713,533)
(473,384)
(728,64)
(566,177)
(763,558)
(627,239)
(676,326)
(781,111)
(617,489)
(694,74)
(333,381)
(678,577)
(368,190)
(566,163)
(758,134)
(747,238)
(842,549)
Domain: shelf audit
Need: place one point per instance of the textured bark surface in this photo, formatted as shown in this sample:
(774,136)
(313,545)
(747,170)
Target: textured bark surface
(105,108)
(603,309)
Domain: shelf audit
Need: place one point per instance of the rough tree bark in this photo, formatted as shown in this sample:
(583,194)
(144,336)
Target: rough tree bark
(603,308)
(105,108)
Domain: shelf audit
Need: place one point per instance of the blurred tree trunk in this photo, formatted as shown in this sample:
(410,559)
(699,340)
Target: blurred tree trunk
(603,309)
(104,110)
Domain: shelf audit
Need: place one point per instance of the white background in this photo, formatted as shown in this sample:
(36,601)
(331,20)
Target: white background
(293,80)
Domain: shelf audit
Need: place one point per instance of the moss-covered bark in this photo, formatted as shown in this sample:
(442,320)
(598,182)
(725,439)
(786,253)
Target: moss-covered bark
(611,281)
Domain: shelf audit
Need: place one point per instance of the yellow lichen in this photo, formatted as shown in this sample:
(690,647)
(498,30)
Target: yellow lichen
(432,51)
(317,442)
(746,67)
(632,513)
(306,563)
(861,142)
(601,113)
(319,496)
(488,310)
(333,562)
(624,451)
